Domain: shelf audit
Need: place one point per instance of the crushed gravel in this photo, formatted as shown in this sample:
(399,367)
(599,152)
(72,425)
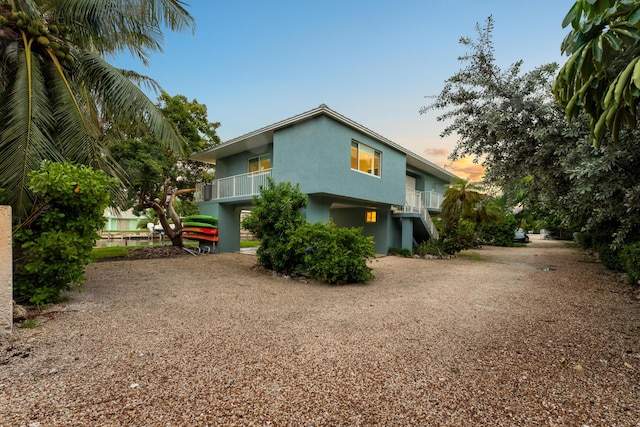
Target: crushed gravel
(540,335)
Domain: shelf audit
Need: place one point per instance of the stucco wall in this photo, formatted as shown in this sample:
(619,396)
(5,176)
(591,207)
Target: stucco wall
(317,155)
(426,182)
(238,164)
(6,271)
(355,217)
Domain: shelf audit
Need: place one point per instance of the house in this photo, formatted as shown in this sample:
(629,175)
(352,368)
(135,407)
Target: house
(352,176)
(117,220)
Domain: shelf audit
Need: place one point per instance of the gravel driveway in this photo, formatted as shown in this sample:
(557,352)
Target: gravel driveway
(531,336)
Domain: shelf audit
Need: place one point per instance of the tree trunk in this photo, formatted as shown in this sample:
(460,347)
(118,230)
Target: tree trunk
(166,208)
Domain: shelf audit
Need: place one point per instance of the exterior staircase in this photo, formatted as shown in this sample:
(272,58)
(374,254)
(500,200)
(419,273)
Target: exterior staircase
(416,208)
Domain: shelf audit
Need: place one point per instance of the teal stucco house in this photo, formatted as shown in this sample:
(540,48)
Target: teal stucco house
(352,176)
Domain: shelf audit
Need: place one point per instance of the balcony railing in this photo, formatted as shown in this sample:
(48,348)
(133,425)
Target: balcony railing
(245,185)
(420,202)
(427,199)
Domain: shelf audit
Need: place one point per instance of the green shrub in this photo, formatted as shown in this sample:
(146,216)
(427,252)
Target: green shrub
(499,233)
(405,253)
(583,240)
(609,257)
(630,257)
(276,216)
(288,243)
(430,247)
(457,239)
(332,254)
(52,249)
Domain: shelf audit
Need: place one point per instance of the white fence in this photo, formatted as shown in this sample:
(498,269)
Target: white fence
(247,184)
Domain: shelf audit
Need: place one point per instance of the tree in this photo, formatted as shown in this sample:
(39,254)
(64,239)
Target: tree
(511,122)
(60,100)
(158,176)
(462,200)
(602,75)
(499,116)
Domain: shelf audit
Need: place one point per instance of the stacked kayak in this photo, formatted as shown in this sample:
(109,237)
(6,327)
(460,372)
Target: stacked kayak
(203,228)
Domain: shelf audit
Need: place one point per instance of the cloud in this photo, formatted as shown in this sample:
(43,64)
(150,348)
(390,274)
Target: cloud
(436,152)
(465,168)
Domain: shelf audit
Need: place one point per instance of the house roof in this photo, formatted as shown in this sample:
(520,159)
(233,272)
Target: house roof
(264,136)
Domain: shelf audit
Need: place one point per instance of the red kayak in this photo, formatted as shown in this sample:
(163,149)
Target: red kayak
(201,237)
(203,230)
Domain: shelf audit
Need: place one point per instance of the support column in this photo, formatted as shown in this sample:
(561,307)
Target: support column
(6,271)
(228,229)
(407,233)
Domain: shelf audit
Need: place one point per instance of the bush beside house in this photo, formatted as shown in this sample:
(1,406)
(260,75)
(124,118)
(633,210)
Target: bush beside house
(290,244)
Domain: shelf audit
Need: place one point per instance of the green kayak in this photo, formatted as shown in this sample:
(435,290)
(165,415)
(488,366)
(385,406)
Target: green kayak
(202,218)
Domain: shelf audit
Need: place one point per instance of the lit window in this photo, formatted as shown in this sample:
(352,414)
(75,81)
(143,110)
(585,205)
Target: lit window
(372,216)
(259,163)
(365,159)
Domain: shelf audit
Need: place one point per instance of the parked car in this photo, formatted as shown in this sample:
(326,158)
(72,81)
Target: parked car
(521,236)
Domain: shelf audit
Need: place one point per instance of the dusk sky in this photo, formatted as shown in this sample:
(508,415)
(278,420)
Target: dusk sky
(254,63)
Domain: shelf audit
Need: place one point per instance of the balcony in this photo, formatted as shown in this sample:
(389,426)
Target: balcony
(424,199)
(420,202)
(237,186)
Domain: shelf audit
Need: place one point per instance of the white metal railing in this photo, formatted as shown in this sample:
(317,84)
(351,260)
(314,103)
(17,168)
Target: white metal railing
(419,202)
(427,199)
(433,200)
(199,194)
(247,184)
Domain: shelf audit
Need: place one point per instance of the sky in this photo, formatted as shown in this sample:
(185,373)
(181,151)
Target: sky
(254,63)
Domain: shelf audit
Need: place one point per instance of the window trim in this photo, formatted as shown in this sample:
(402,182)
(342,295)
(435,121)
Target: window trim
(371,217)
(376,154)
(259,159)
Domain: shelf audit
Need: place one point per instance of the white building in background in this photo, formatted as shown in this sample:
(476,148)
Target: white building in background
(120,220)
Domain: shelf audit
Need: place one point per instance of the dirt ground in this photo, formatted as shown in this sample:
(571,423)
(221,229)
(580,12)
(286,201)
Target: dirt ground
(540,335)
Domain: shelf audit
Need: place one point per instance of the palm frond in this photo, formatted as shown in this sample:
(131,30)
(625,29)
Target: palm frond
(25,137)
(124,102)
(79,133)
(112,26)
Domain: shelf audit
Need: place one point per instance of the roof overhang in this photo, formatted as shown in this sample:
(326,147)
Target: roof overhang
(263,136)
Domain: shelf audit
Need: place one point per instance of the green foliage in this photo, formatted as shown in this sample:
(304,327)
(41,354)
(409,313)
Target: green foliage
(290,244)
(51,253)
(186,207)
(539,160)
(500,233)
(61,100)
(610,257)
(29,324)
(630,257)
(602,75)
(276,216)
(430,247)
(332,254)
(156,172)
(459,238)
(405,253)
(461,201)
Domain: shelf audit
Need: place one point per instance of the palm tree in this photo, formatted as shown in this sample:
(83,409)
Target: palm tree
(461,200)
(60,99)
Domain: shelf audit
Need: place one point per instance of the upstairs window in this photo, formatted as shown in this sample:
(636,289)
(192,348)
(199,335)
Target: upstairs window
(260,163)
(365,159)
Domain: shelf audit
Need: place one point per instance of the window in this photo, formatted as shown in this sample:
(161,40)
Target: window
(365,159)
(372,216)
(259,163)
